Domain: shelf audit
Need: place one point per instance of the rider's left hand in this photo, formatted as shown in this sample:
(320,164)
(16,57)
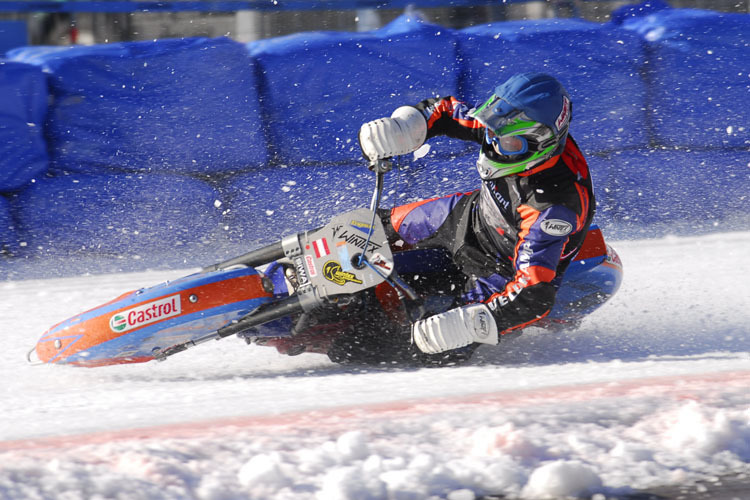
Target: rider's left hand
(455,328)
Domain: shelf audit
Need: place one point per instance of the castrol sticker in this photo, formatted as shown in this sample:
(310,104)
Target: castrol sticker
(144,314)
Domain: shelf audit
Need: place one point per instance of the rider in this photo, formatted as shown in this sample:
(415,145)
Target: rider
(514,237)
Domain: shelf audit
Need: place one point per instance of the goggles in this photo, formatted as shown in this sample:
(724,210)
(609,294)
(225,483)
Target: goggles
(504,126)
(508,145)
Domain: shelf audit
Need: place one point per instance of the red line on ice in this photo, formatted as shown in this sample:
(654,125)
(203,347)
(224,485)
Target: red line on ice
(675,386)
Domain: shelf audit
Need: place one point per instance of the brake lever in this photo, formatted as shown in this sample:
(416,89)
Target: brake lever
(381,166)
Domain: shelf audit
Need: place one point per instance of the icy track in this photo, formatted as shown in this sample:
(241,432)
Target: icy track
(651,390)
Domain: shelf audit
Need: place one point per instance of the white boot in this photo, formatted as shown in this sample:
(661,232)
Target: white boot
(455,328)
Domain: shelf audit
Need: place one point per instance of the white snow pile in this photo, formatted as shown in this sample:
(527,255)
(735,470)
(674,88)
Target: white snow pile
(650,390)
(461,451)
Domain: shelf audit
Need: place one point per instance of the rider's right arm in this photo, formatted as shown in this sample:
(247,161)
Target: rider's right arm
(449,116)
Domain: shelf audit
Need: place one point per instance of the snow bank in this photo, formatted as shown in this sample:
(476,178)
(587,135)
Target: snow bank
(536,449)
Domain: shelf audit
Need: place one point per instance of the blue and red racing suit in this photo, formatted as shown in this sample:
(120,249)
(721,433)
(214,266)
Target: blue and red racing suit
(514,237)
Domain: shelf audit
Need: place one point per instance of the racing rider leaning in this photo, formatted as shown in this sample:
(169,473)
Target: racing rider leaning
(514,237)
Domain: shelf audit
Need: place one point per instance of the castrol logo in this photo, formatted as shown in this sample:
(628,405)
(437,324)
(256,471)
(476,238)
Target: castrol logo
(145,314)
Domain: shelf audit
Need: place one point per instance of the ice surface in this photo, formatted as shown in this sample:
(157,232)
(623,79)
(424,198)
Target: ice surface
(651,389)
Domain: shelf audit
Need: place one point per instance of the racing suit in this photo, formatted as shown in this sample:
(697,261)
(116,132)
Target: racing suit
(514,237)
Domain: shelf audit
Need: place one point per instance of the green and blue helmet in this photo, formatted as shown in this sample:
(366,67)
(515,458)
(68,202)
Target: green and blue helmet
(526,123)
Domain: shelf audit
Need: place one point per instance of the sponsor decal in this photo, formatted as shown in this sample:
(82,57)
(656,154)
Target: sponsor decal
(556,227)
(524,255)
(502,202)
(145,314)
(118,323)
(564,117)
(311,266)
(381,263)
(358,241)
(320,247)
(481,324)
(510,293)
(365,227)
(333,272)
(613,258)
(299,267)
(344,258)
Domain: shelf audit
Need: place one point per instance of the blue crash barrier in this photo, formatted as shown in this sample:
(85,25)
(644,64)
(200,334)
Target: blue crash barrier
(188,105)
(13,34)
(118,215)
(303,197)
(290,199)
(700,76)
(213,144)
(651,193)
(23,106)
(319,87)
(598,64)
(8,239)
(276,202)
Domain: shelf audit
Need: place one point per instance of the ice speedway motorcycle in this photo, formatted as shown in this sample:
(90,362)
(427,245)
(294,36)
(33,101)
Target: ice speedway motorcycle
(301,294)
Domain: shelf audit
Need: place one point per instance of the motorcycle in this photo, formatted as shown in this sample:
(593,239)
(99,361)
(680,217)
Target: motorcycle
(339,290)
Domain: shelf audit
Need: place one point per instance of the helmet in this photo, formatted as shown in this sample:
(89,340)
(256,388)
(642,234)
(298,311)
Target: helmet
(526,122)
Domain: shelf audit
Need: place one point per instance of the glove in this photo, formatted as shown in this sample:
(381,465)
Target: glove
(455,328)
(400,134)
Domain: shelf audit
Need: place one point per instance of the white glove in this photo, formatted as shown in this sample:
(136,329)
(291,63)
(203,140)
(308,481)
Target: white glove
(455,328)
(400,134)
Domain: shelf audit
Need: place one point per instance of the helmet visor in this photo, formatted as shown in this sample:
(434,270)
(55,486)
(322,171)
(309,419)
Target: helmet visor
(494,113)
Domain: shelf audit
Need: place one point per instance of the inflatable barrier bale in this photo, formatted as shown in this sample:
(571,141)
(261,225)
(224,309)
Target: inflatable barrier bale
(124,215)
(23,106)
(182,106)
(598,64)
(699,76)
(319,87)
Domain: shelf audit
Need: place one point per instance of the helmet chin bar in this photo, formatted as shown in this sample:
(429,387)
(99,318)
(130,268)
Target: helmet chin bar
(492,169)
(489,169)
